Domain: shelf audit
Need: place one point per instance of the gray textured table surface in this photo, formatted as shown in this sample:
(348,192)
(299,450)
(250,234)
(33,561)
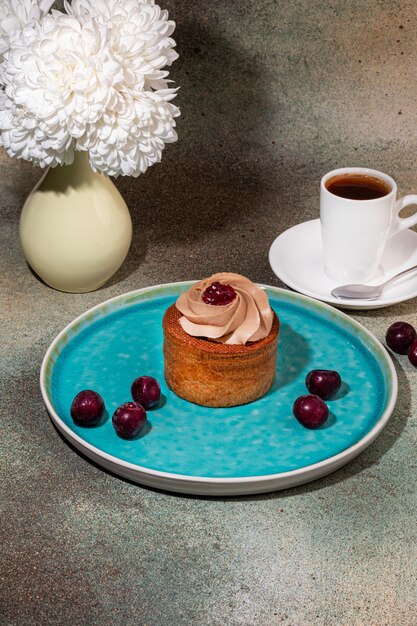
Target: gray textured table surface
(273,95)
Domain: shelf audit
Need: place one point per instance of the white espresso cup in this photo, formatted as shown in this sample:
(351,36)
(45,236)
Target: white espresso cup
(355,231)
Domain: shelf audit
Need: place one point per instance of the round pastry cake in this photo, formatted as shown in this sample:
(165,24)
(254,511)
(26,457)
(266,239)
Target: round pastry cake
(221,342)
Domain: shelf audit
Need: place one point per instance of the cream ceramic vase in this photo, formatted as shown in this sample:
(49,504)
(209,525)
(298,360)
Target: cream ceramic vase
(75,228)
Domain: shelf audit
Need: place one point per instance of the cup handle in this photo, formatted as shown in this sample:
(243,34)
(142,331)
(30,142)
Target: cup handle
(400,223)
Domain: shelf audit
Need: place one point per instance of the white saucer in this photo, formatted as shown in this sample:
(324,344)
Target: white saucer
(296,257)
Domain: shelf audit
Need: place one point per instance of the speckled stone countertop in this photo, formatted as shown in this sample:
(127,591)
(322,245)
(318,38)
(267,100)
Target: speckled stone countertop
(273,95)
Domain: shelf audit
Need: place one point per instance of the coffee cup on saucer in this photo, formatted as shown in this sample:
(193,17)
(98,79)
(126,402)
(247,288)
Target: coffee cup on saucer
(359,212)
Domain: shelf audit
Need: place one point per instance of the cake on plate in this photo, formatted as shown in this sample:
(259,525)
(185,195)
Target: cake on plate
(221,342)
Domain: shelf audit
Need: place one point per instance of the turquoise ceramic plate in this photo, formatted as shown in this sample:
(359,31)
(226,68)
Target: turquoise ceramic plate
(247,449)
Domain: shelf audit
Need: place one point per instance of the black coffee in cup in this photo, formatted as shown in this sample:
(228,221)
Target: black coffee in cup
(357,186)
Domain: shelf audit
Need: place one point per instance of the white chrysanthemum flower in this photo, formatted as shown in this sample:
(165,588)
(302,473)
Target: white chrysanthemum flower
(67,86)
(140,35)
(129,140)
(15,14)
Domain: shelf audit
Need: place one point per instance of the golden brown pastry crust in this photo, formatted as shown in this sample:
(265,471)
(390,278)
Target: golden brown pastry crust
(214,374)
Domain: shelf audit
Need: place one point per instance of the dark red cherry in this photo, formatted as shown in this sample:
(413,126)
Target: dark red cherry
(310,411)
(323,383)
(218,294)
(146,391)
(412,353)
(129,419)
(400,336)
(87,408)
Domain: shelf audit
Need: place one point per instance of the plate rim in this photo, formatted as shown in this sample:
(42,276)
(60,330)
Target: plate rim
(346,303)
(228,485)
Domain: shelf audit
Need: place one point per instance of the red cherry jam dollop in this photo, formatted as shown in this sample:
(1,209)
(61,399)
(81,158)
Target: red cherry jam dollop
(218,294)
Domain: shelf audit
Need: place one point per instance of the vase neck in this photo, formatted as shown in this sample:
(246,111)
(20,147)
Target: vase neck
(81,161)
(77,174)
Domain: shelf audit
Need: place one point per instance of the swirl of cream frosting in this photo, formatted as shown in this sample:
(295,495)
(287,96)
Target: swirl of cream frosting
(248,317)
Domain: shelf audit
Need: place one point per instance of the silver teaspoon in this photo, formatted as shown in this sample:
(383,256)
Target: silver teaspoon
(367,292)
